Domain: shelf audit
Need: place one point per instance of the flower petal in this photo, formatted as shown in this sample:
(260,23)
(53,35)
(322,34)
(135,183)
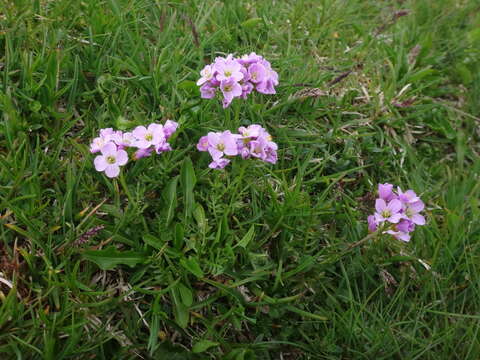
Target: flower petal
(112,170)
(380,205)
(100,163)
(418,219)
(394,206)
(122,157)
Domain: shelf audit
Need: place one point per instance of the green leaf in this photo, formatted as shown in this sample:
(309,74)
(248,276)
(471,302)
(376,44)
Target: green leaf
(247,238)
(110,257)
(251,23)
(191,264)
(188,180)
(170,195)
(199,215)
(179,236)
(185,294)
(153,241)
(203,345)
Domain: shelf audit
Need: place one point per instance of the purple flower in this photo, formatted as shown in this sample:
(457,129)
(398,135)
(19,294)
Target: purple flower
(207,75)
(399,235)
(106,135)
(411,212)
(169,128)
(408,196)
(146,137)
(228,68)
(111,160)
(207,91)
(388,212)
(219,163)
(252,131)
(385,191)
(372,224)
(230,89)
(405,226)
(220,144)
(125,140)
(142,153)
(257,73)
(203,143)
(250,59)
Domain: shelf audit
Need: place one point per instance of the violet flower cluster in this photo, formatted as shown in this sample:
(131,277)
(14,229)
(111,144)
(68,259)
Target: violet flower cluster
(396,212)
(237,77)
(251,142)
(112,144)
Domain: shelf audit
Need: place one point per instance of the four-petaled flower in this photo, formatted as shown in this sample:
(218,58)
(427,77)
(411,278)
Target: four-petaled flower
(111,160)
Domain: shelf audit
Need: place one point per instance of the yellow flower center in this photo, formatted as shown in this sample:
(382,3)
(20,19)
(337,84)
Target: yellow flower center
(386,213)
(148,136)
(228,88)
(228,73)
(221,147)
(111,159)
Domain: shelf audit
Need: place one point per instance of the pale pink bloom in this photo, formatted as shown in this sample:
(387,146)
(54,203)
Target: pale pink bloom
(412,210)
(141,153)
(146,137)
(408,196)
(169,128)
(207,91)
(388,212)
(206,75)
(372,224)
(203,143)
(385,191)
(230,89)
(399,235)
(228,68)
(111,160)
(220,144)
(257,73)
(219,163)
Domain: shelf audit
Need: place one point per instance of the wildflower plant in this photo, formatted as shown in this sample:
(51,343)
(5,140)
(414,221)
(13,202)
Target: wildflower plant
(396,213)
(112,145)
(252,142)
(237,77)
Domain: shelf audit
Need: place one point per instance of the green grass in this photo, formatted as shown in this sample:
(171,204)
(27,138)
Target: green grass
(251,262)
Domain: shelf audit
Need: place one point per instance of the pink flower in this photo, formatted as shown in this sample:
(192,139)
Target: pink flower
(206,75)
(408,196)
(203,144)
(125,140)
(412,210)
(257,73)
(228,68)
(141,153)
(169,128)
(207,91)
(401,210)
(111,160)
(219,164)
(385,191)
(372,224)
(220,144)
(230,89)
(151,136)
(106,135)
(388,212)
(399,235)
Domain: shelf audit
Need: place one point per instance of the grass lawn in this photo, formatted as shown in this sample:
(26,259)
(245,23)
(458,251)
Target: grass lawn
(173,260)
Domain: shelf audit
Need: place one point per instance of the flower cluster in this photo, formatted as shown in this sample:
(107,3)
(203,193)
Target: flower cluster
(237,77)
(112,144)
(251,142)
(398,213)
